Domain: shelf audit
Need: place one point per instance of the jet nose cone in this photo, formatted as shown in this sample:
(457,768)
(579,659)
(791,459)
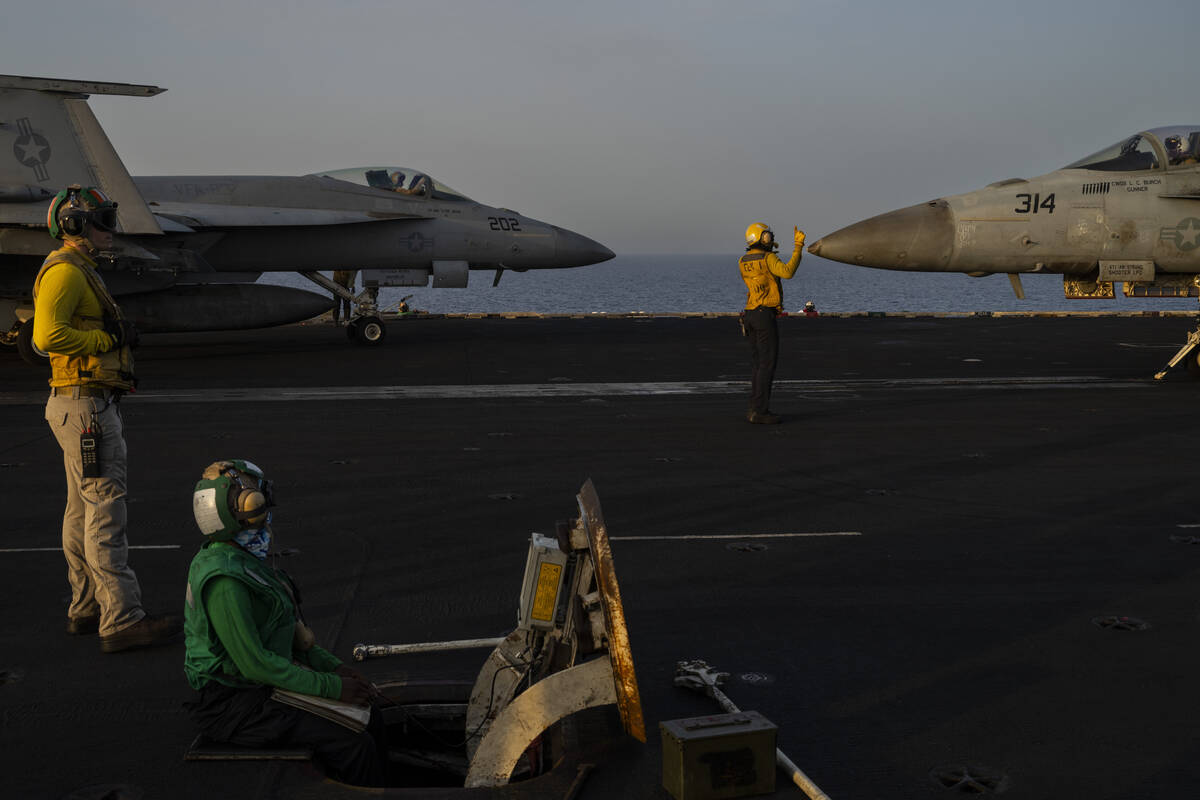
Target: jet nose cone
(919,237)
(575,250)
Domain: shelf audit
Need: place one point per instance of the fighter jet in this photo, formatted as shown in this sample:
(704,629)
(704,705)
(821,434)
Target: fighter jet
(1129,213)
(189,248)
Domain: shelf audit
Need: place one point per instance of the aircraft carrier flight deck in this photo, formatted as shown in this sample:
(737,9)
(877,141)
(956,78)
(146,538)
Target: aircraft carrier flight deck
(967,557)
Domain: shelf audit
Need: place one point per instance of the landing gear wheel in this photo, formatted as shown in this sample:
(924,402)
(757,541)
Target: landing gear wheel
(370,330)
(25,346)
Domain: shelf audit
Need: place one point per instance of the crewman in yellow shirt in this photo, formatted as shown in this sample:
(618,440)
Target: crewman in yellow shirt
(762,270)
(89,342)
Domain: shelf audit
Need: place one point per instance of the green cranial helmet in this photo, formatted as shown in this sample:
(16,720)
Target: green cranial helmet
(231,496)
(75,208)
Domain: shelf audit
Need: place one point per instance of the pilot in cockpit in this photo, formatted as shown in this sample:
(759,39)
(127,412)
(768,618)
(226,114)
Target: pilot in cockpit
(419,185)
(1177,152)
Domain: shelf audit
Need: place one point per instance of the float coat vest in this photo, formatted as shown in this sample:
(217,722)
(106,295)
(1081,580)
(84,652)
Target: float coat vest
(761,271)
(206,658)
(113,369)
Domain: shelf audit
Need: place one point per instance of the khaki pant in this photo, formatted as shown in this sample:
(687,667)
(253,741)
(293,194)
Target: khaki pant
(93,530)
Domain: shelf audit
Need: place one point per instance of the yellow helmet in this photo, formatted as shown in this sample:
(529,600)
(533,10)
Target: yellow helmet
(756,232)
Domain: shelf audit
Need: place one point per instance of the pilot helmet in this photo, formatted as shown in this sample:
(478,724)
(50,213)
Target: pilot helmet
(759,234)
(231,496)
(1173,143)
(75,208)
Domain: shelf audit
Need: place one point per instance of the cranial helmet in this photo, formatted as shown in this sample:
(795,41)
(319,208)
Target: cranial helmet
(756,233)
(229,497)
(75,208)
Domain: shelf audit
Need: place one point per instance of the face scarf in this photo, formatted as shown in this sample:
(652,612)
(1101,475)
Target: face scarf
(256,541)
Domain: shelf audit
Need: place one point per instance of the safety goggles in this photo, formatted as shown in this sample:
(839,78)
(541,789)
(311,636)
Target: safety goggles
(104,219)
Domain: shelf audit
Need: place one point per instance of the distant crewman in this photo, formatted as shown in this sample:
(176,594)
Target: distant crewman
(246,639)
(810,309)
(762,270)
(345,279)
(88,340)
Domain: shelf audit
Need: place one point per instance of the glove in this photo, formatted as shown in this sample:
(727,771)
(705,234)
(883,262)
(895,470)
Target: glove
(798,236)
(123,332)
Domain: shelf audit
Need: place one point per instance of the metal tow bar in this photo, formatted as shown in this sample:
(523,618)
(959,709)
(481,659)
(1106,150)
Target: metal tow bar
(698,676)
(364,651)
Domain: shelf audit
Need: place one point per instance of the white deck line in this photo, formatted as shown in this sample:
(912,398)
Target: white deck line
(737,536)
(544,390)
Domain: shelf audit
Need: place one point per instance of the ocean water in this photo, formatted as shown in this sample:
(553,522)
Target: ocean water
(708,283)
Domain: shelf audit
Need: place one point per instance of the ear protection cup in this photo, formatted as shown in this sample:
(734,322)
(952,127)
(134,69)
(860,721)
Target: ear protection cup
(250,506)
(73,222)
(54,215)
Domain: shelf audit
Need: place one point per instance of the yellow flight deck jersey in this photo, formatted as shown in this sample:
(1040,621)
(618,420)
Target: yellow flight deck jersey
(761,271)
(70,301)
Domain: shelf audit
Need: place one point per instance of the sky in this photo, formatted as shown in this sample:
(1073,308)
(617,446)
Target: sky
(653,127)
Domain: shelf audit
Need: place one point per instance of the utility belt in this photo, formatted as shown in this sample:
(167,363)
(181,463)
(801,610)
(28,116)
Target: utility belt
(742,316)
(76,392)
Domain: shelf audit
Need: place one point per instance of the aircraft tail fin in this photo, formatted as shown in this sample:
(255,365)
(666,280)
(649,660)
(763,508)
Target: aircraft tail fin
(55,140)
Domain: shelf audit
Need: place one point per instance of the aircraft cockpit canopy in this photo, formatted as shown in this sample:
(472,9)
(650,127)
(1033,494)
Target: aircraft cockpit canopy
(1179,145)
(400,180)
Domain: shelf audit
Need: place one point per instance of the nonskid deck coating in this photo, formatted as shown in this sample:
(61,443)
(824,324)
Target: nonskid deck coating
(955,630)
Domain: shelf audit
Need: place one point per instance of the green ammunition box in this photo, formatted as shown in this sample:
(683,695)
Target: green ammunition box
(726,755)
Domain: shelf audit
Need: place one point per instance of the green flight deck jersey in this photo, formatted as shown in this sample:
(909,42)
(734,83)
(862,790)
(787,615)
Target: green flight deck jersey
(240,627)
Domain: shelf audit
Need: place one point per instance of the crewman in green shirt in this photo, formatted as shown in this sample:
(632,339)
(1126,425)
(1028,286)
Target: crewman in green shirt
(245,637)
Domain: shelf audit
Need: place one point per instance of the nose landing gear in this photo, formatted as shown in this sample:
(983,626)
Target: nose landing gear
(366,330)
(364,326)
